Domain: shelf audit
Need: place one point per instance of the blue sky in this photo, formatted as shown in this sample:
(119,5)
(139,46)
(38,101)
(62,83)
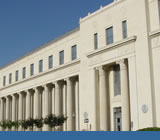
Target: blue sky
(28,24)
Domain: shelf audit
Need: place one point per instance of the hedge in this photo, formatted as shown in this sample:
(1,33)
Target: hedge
(150,129)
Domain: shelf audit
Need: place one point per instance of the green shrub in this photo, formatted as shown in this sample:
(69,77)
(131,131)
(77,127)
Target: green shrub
(150,129)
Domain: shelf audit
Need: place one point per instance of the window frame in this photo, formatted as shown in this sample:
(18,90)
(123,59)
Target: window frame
(116,70)
(109,35)
(4,81)
(96,41)
(40,65)
(124,29)
(50,62)
(61,61)
(32,69)
(10,78)
(74,52)
(16,75)
(24,73)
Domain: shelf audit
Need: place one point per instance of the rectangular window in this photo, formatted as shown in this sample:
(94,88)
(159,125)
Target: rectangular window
(117,82)
(24,73)
(16,75)
(95,41)
(159,7)
(32,69)
(50,62)
(124,27)
(61,57)
(109,35)
(74,52)
(4,80)
(10,78)
(41,66)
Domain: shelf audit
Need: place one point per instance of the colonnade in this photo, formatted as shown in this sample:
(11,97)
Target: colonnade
(59,98)
(104,97)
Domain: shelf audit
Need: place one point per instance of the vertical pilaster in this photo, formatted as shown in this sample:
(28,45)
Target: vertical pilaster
(125,96)
(104,112)
(57,100)
(77,104)
(7,108)
(35,105)
(2,112)
(69,105)
(28,105)
(13,110)
(46,105)
(64,106)
(20,110)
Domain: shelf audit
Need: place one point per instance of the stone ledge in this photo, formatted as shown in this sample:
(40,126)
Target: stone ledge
(43,73)
(112,46)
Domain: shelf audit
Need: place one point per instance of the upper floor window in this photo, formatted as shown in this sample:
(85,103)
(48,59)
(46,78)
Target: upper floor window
(117,82)
(96,41)
(16,75)
(109,35)
(4,80)
(24,73)
(10,78)
(124,29)
(74,52)
(41,66)
(50,62)
(32,69)
(61,57)
(159,7)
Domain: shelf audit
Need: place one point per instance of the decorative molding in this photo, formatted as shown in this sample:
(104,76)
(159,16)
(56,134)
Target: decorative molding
(112,46)
(154,33)
(44,73)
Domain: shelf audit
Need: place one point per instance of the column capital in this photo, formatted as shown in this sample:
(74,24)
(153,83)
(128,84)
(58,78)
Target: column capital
(35,89)
(68,81)
(122,64)
(13,95)
(101,70)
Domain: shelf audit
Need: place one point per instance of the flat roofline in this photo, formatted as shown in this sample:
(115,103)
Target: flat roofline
(41,47)
(108,6)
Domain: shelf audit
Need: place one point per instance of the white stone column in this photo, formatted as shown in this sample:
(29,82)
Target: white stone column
(104,112)
(125,96)
(7,108)
(45,105)
(20,111)
(35,106)
(2,112)
(35,103)
(69,105)
(13,110)
(77,104)
(57,99)
(64,106)
(28,105)
(53,100)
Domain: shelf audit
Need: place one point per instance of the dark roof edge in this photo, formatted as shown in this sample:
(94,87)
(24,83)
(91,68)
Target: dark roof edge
(41,47)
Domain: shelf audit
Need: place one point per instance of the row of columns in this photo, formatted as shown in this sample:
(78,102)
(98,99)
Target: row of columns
(57,98)
(104,97)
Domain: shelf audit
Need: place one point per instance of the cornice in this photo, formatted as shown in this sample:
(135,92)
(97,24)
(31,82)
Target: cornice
(154,33)
(112,46)
(43,73)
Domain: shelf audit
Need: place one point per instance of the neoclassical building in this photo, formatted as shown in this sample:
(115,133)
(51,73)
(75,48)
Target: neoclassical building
(103,75)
